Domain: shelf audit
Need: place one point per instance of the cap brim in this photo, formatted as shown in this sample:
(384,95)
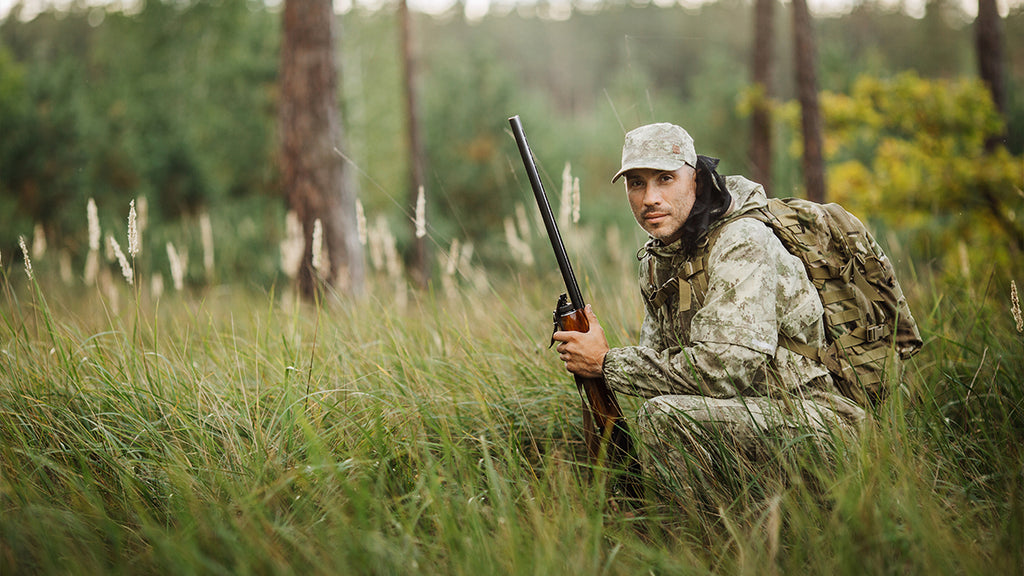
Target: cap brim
(651,164)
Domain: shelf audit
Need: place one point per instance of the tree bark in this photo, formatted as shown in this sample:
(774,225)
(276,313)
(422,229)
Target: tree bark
(316,183)
(417,257)
(761,121)
(988,35)
(807,91)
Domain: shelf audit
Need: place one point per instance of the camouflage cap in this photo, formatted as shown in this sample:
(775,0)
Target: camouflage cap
(660,146)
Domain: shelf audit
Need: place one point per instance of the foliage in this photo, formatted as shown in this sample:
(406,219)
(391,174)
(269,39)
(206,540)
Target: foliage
(174,101)
(910,153)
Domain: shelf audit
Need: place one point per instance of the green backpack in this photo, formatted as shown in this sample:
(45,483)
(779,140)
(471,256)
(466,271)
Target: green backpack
(867,319)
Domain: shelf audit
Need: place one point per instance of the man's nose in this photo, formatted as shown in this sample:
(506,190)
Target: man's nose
(651,195)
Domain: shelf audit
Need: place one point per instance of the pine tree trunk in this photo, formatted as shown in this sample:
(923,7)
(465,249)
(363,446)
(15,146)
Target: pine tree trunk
(315,182)
(988,30)
(761,121)
(807,91)
(418,258)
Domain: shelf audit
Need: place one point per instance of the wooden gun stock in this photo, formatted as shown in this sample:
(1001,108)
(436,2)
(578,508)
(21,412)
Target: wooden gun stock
(603,423)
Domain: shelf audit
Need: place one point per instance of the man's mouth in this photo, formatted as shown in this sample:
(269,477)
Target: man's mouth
(654,216)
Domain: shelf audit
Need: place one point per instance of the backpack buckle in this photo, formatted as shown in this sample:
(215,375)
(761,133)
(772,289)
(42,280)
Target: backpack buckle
(875,332)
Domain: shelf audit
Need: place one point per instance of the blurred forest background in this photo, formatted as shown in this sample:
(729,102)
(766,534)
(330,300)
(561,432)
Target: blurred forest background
(175,102)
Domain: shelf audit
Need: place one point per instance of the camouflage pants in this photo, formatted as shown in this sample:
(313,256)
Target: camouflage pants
(688,439)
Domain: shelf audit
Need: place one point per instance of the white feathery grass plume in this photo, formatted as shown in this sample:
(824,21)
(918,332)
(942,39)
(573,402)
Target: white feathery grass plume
(92,267)
(92,215)
(520,250)
(1015,307)
(143,217)
(64,260)
(466,256)
(108,251)
(126,268)
(133,231)
(92,259)
(523,222)
(452,258)
(565,202)
(575,200)
(38,241)
(156,285)
(293,245)
(391,259)
(177,267)
(450,265)
(378,234)
(206,235)
(361,223)
(421,213)
(318,248)
(965,261)
(24,252)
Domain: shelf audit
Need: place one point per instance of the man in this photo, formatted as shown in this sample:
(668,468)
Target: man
(709,361)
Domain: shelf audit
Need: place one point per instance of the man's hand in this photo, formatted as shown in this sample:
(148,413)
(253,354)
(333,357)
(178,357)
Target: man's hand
(583,352)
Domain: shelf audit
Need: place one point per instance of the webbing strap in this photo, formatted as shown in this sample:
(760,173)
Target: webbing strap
(848,315)
(866,356)
(837,294)
(806,350)
(862,335)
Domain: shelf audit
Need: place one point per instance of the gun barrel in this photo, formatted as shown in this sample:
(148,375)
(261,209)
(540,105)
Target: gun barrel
(571,286)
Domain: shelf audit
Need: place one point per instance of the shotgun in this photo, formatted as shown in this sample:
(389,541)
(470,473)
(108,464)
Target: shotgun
(603,424)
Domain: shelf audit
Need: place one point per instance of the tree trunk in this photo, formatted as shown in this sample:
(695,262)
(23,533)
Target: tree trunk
(761,121)
(417,257)
(314,177)
(807,91)
(988,35)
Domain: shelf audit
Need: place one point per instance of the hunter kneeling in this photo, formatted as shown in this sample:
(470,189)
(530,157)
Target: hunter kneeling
(733,343)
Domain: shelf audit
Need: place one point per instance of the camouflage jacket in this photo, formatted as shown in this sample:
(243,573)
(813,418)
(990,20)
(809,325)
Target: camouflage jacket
(729,346)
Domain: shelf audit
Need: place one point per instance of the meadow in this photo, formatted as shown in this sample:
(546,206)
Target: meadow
(224,429)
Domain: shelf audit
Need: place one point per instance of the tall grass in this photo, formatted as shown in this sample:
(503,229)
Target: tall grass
(222,433)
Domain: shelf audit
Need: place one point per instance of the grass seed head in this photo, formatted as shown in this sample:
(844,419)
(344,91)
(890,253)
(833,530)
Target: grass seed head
(92,267)
(575,200)
(92,215)
(361,222)
(177,267)
(38,241)
(206,233)
(126,268)
(421,213)
(24,252)
(293,245)
(133,233)
(1015,307)
(319,262)
(565,203)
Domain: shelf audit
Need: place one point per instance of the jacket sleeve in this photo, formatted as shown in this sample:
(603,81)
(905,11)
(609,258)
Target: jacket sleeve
(732,336)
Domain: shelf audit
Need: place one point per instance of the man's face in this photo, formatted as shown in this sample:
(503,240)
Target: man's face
(662,200)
